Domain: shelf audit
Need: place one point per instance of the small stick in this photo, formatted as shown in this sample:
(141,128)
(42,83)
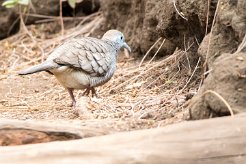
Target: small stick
(209,1)
(242,45)
(209,40)
(180,91)
(61,19)
(222,99)
(149,51)
(180,14)
(156,52)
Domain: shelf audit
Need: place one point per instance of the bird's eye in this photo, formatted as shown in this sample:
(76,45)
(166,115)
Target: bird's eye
(121,37)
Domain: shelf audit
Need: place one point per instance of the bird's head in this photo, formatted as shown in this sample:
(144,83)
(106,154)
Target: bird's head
(117,37)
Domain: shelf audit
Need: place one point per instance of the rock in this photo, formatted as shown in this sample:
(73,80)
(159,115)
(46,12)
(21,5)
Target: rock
(228,79)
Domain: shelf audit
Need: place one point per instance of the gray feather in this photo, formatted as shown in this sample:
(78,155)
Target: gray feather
(86,54)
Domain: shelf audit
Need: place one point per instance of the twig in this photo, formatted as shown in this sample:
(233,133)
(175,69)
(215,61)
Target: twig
(31,36)
(207,19)
(26,30)
(149,51)
(95,26)
(88,18)
(61,19)
(163,62)
(29,62)
(242,45)
(58,18)
(179,13)
(156,52)
(51,17)
(180,91)
(187,55)
(209,40)
(14,63)
(76,31)
(12,25)
(222,99)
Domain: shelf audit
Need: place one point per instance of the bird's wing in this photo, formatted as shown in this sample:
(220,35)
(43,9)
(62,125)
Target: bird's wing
(90,55)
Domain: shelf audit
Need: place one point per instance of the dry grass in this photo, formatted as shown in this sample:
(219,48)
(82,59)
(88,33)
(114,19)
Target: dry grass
(154,90)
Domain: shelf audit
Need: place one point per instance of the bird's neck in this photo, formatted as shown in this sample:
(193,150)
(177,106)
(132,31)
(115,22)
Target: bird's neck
(113,44)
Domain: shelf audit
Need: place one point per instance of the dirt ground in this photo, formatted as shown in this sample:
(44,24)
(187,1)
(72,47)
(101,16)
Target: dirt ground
(141,94)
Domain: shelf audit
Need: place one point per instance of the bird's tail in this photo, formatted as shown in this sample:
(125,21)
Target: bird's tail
(45,66)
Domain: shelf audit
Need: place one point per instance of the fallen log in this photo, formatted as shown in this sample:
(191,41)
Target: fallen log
(217,140)
(17,132)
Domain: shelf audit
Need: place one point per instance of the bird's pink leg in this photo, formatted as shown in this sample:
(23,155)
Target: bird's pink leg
(70,91)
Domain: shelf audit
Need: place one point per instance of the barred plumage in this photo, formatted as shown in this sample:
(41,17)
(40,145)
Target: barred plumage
(83,63)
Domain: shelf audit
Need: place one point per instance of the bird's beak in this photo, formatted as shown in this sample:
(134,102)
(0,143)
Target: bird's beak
(126,47)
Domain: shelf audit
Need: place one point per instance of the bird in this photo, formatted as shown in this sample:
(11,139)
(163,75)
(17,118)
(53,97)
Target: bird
(83,63)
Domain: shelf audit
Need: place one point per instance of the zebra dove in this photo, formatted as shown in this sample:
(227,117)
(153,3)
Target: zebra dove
(83,63)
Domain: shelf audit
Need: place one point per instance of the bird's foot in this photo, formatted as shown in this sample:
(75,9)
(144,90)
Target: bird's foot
(73,104)
(93,92)
(88,90)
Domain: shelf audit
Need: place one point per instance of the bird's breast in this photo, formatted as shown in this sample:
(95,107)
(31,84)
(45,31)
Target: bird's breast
(71,78)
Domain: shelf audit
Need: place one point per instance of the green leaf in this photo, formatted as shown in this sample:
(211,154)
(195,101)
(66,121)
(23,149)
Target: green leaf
(10,6)
(72,3)
(10,3)
(13,3)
